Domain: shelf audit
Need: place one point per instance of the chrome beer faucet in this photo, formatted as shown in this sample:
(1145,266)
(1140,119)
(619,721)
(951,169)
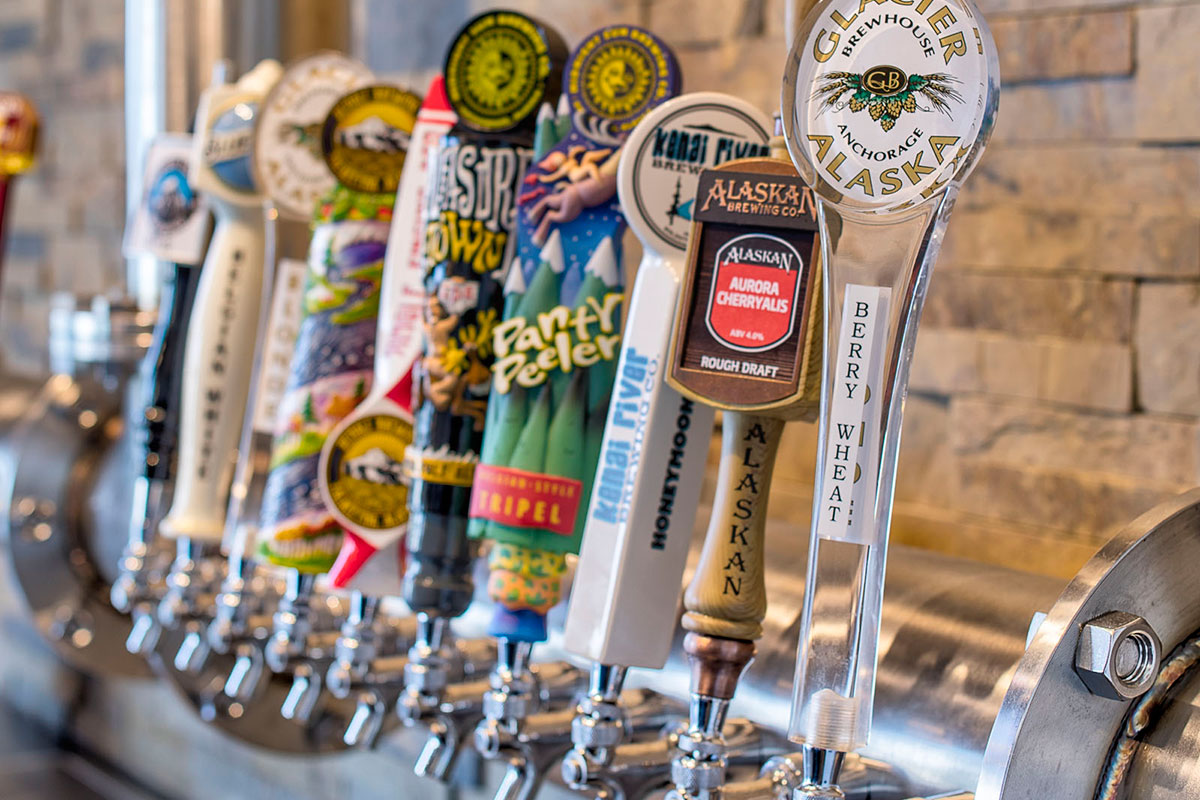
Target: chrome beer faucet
(528,714)
(303,641)
(369,663)
(444,683)
(189,601)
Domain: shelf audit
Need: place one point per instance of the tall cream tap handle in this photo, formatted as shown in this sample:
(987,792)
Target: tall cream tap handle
(218,357)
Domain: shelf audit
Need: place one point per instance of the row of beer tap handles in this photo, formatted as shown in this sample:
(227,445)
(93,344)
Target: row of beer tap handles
(448,370)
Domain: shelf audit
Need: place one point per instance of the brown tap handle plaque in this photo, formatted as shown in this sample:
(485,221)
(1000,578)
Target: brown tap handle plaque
(726,597)
(746,341)
(748,326)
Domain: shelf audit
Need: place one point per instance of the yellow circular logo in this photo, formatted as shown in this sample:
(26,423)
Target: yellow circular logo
(619,73)
(365,472)
(619,81)
(366,136)
(496,71)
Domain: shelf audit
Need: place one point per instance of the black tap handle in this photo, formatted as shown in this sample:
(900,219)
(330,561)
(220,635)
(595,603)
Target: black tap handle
(164,372)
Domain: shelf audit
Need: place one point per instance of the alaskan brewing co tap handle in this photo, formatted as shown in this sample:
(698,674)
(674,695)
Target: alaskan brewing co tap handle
(744,341)
(917,94)
(225,312)
(557,346)
(498,72)
(371,504)
(638,529)
(365,139)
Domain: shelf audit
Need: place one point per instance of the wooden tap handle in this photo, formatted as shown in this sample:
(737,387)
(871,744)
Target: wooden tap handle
(727,598)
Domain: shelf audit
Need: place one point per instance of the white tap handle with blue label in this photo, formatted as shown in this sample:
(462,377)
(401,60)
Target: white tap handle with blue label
(218,357)
(625,598)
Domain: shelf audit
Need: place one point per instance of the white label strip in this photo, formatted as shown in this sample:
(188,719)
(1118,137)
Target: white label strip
(282,330)
(847,506)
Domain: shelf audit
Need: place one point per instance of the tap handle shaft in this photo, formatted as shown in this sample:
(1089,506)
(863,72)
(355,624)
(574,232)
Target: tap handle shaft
(164,366)
(726,597)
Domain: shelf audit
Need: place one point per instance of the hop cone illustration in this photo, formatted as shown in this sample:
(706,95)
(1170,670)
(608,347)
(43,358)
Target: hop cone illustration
(936,90)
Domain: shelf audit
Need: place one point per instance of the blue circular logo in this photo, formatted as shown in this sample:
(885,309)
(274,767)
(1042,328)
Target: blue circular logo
(231,145)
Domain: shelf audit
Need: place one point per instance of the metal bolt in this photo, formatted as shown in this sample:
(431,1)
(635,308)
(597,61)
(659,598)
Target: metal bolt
(1118,656)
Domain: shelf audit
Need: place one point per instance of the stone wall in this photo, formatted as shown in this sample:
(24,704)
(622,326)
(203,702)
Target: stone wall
(1056,393)
(66,217)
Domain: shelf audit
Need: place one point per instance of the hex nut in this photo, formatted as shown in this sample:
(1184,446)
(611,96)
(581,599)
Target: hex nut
(1118,656)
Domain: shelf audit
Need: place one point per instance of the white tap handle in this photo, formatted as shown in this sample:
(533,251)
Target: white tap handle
(639,530)
(625,597)
(217,365)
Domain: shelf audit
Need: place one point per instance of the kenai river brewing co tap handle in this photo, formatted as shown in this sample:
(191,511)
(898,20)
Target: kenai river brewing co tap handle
(885,124)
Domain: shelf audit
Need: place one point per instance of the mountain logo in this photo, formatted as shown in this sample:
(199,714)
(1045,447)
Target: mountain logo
(365,471)
(366,136)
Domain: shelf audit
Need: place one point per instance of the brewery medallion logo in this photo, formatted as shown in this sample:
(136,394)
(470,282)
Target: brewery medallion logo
(366,136)
(617,75)
(170,222)
(365,471)
(497,70)
(667,152)
(886,92)
(754,290)
(748,290)
(170,198)
(288,160)
(887,100)
(229,146)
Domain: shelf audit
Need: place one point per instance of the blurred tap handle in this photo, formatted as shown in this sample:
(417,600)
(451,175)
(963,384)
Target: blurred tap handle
(19,125)
(18,145)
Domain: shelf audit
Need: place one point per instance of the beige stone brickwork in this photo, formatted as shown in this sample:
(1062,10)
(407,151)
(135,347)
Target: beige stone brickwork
(1056,391)
(66,217)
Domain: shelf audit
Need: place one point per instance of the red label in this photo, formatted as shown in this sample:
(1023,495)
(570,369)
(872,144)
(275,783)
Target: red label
(526,499)
(752,302)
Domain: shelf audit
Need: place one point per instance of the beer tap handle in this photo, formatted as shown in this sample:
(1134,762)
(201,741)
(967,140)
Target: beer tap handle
(225,312)
(726,598)
(878,252)
(216,376)
(165,367)
(18,148)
